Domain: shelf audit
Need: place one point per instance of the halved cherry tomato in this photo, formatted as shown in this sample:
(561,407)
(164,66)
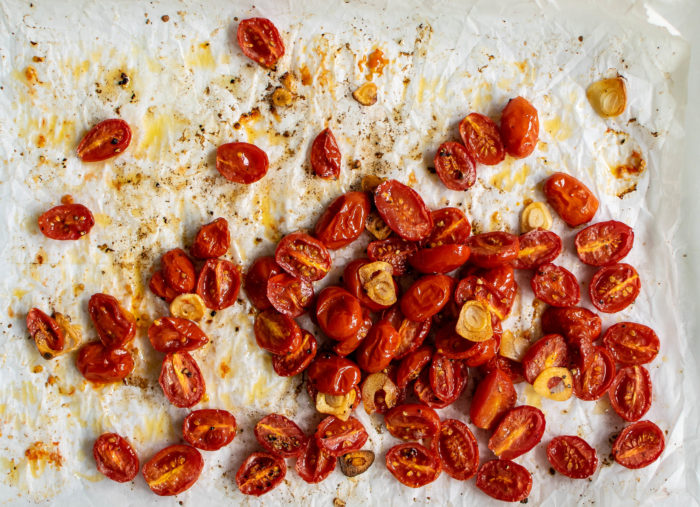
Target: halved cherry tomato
(313,464)
(289,295)
(181,380)
(260,473)
(241,162)
(504,480)
(104,365)
(571,199)
(443,377)
(339,313)
(573,323)
(451,226)
(491,249)
(639,445)
(457,449)
(424,390)
(173,334)
(66,222)
(115,458)
(337,437)
(347,347)
(411,365)
(260,41)
(403,210)
(280,436)
(555,285)
(218,283)
(302,256)
(495,287)
(572,456)
(593,374)
(412,333)
(413,465)
(377,350)
(160,288)
(520,430)
(520,127)
(510,367)
(455,166)
(105,140)
(325,156)
(209,429)
(630,392)
(493,398)
(344,220)
(604,243)
(173,470)
(212,240)
(276,333)
(47,334)
(440,259)
(298,360)
(256,280)
(412,421)
(482,138)
(449,344)
(426,297)
(614,288)
(333,375)
(395,251)
(351,279)
(549,351)
(178,271)
(537,247)
(631,343)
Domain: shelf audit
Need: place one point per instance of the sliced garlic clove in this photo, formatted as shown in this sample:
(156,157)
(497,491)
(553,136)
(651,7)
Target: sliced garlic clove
(366,94)
(377,227)
(378,283)
(282,97)
(289,81)
(513,347)
(378,384)
(73,335)
(608,96)
(554,383)
(339,406)
(474,322)
(188,306)
(535,216)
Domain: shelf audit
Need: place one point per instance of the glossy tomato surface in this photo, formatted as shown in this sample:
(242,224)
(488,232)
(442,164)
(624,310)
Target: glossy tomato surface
(403,210)
(395,251)
(455,166)
(209,429)
(412,421)
(212,240)
(344,220)
(377,350)
(181,380)
(218,283)
(290,295)
(491,249)
(573,323)
(458,450)
(256,280)
(493,398)
(173,470)
(333,375)
(260,473)
(66,222)
(47,334)
(555,285)
(518,432)
(426,297)
(241,162)
(571,199)
(572,456)
(325,156)
(444,377)
(449,344)
(337,437)
(536,248)
(423,388)
(298,360)
(440,259)
(115,458)
(504,480)
(160,288)
(339,313)
(347,347)
(639,445)
(314,464)
(613,288)
(413,465)
(105,140)
(495,288)
(103,365)
(482,138)
(451,227)
(411,365)
(302,256)
(259,40)
(520,127)
(593,373)
(276,333)
(604,243)
(631,343)
(280,436)
(174,334)
(547,352)
(630,392)
(178,271)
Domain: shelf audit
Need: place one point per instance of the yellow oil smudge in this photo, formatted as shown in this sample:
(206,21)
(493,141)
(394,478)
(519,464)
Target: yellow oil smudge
(602,406)
(157,425)
(91,478)
(265,214)
(258,391)
(531,396)
(19,293)
(158,131)
(103,220)
(480,99)
(27,394)
(200,56)
(557,130)
(507,179)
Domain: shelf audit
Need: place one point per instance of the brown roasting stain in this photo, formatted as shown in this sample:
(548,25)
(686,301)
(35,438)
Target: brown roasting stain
(40,452)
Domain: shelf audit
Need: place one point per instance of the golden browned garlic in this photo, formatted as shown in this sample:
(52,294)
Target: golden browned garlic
(378,283)
(72,334)
(188,306)
(366,94)
(377,227)
(535,216)
(560,391)
(608,96)
(339,406)
(378,384)
(474,322)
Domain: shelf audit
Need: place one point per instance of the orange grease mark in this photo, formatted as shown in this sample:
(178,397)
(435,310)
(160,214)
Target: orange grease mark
(306,78)
(41,453)
(224,370)
(635,165)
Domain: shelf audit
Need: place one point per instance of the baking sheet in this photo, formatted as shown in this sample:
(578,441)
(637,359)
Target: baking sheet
(189,85)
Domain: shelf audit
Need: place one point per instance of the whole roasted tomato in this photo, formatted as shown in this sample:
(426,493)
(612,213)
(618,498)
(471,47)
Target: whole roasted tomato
(426,297)
(440,259)
(104,365)
(520,127)
(259,40)
(570,198)
(333,375)
(339,313)
(344,220)
(403,210)
(174,334)
(66,222)
(377,350)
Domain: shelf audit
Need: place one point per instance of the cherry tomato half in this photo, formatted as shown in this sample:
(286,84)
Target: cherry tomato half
(604,243)
(426,297)
(181,380)
(115,458)
(66,222)
(403,210)
(259,40)
(289,295)
(105,140)
(555,285)
(298,360)
(549,351)
(212,240)
(519,431)
(47,334)
(178,271)
(173,334)
(573,323)
(333,375)
(571,199)
(631,343)
(520,127)
(413,465)
(440,259)
(451,226)
(260,473)
(347,347)
(395,251)
(572,456)
(482,139)
(337,437)
(160,288)
(325,156)
(504,480)
(449,344)
(276,333)
(412,421)
(536,248)
(593,373)
(302,256)
(491,249)
(614,288)
(495,287)
(630,393)
(458,450)
(209,429)
(173,470)
(351,280)
(411,365)
(412,335)
(423,388)
(444,381)
(104,365)
(280,436)
(256,280)
(241,162)
(510,367)
(454,166)
(344,220)
(493,398)
(314,464)
(639,445)
(339,313)
(218,283)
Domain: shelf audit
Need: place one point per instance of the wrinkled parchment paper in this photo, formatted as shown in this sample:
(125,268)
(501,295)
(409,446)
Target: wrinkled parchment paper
(188,88)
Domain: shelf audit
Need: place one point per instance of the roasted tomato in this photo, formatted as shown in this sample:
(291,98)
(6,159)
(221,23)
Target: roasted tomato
(458,450)
(440,259)
(504,480)
(403,210)
(178,271)
(631,343)
(313,464)
(451,227)
(105,140)
(443,374)
(572,456)
(510,367)
(260,473)
(493,398)
(455,166)
(104,365)
(604,243)
(241,162)
(66,222)
(289,295)
(520,127)
(548,351)
(344,220)
(482,139)
(181,380)
(423,388)
(325,156)
(570,198)
(593,373)
(412,333)
(115,458)
(449,344)
(347,347)
(519,431)
(492,249)
(218,283)
(630,392)
(412,421)
(413,465)
(574,323)
(426,297)
(395,251)
(496,288)
(351,279)
(212,240)
(47,334)
(173,470)
(298,360)
(276,333)
(209,429)
(160,288)
(614,288)
(639,445)
(260,41)
(339,313)
(333,375)
(411,365)
(377,350)
(280,436)
(556,286)
(173,334)
(256,279)
(537,247)
(302,256)
(337,437)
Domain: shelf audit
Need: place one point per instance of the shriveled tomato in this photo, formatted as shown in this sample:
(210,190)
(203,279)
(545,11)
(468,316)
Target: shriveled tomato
(160,288)
(181,380)
(47,334)
(537,247)
(570,198)
(173,470)
(241,162)
(520,430)
(344,220)
(631,343)
(276,333)
(495,287)
(218,283)
(105,140)
(443,377)
(482,138)
(493,398)
(630,392)
(426,297)
(449,344)
(347,347)
(178,271)
(457,449)
(260,41)
(424,391)
(639,445)
(520,127)
(451,226)
(440,259)
(412,421)
(504,480)
(337,437)
(351,280)
(613,288)
(510,367)
(314,464)
(339,313)
(573,323)
(256,280)
(115,458)
(555,285)
(411,365)
(66,222)
(302,256)
(212,240)
(548,351)
(413,465)
(209,429)
(491,249)
(593,374)
(280,436)
(377,350)
(260,473)
(173,334)
(298,360)
(604,243)
(455,166)
(289,295)
(104,365)
(403,210)
(325,156)
(572,456)
(333,375)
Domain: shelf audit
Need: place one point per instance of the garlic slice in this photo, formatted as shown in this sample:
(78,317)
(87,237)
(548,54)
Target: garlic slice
(474,322)
(561,391)
(375,384)
(378,283)
(513,347)
(72,334)
(282,97)
(339,406)
(535,216)
(608,96)
(188,306)
(366,94)
(377,227)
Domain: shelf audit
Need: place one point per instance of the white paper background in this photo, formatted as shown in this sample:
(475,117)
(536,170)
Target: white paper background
(457,58)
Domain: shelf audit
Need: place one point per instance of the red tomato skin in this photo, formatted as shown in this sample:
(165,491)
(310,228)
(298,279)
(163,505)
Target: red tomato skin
(268,431)
(294,254)
(395,251)
(160,288)
(242,163)
(351,280)
(430,464)
(45,329)
(314,465)
(276,333)
(344,220)
(218,283)
(449,344)
(556,286)
(536,248)
(641,434)
(299,359)
(532,422)
(604,243)
(325,156)
(115,458)
(412,333)
(552,346)
(212,240)
(631,343)
(256,280)
(178,271)
(492,249)
(222,429)
(443,378)
(455,166)
(184,458)
(599,287)
(377,350)
(260,41)
(424,391)
(411,365)
(571,199)
(426,297)
(588,364)
(467,454)
(515,488)
(482,138)
(630,393)
(567,446)
(105,140)
(493,398)
(102,365)
(175,366)
(347,347)
(412,421)
(451,227)
(174,334)
(495,287)
(337,437)
(339,313)
(440,259)
(289,295)
(520,127)
(333,375)
(403,210)
(66,222)
(573,323)
(512,368)
(255,465)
